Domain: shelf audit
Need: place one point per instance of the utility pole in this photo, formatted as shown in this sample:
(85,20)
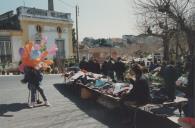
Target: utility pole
(177,43)
(77,35)
(193,75)
(50,5)
(193,63)
(24,3)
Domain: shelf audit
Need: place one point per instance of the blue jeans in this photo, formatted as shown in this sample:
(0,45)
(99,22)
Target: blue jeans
(33,89)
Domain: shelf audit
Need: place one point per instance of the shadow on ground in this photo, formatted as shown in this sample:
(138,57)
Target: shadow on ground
(14,107)
(114,118)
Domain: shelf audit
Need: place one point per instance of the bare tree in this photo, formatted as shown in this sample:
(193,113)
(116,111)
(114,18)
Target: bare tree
(178,15)
(166,17)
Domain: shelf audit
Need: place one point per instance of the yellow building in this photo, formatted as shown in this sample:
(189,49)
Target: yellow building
(33,24)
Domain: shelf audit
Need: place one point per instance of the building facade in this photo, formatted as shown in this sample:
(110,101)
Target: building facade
(33,24)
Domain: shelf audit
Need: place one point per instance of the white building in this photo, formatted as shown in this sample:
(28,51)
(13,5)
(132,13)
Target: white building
(33,24)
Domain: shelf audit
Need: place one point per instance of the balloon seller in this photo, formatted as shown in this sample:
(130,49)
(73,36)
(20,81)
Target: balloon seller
(33,58)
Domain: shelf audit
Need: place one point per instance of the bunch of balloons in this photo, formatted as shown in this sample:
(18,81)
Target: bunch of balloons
(33,54)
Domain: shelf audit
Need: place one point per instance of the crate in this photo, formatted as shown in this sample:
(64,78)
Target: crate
(86,93)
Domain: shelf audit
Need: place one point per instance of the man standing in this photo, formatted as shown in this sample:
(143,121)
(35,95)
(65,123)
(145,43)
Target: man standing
(83,64)
(119,68)
(170,76)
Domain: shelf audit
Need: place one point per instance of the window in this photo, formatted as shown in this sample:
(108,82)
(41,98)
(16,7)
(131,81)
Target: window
(59,30)
(61,51)
(39,28)
(5,50)
(37,41)
(37,38)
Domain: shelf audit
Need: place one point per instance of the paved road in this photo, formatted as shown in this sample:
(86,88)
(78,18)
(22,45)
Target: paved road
(67,110)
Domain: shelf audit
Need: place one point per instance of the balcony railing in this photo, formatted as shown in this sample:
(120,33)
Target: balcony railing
(40,13)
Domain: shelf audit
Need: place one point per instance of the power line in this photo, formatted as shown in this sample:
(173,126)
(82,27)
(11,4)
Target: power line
(67,4)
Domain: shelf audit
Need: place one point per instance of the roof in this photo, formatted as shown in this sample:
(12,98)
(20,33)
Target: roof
(43,14)
(9,21)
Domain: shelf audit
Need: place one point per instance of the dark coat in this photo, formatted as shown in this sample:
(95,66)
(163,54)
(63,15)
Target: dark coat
(32,76)
(140,92)
(170,75)
(83,65)
(119,67)
(108,68)
(97,68)
(104,69)
(91,66)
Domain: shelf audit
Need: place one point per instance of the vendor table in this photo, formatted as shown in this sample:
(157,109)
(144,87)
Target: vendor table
(100,93)
(179,102)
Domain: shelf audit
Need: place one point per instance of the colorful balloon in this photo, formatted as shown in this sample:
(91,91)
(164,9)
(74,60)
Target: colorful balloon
(35,54)
(21,51)
(53,50)
(45,39)
(37,47)
(44,55)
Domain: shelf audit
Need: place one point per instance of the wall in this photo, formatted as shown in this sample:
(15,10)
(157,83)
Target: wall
(16,41)
(49,28)
(16,44)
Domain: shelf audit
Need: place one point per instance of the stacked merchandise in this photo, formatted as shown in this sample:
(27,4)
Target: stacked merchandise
(101,84)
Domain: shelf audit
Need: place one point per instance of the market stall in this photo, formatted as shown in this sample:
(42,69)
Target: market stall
(99,84)
(109,94)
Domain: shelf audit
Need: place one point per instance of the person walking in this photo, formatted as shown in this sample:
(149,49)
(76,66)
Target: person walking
(37,78)
(33,77)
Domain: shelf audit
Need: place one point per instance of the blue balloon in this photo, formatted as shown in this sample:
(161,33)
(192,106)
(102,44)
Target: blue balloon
(35,54)
(21,51)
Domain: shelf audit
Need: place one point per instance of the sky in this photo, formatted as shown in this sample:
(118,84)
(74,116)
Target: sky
(97,18)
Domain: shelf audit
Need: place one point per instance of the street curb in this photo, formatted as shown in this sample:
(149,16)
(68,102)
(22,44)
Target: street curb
(22,75)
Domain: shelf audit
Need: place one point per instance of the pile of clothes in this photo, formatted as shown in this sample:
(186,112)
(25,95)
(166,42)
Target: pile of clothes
(101,83)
